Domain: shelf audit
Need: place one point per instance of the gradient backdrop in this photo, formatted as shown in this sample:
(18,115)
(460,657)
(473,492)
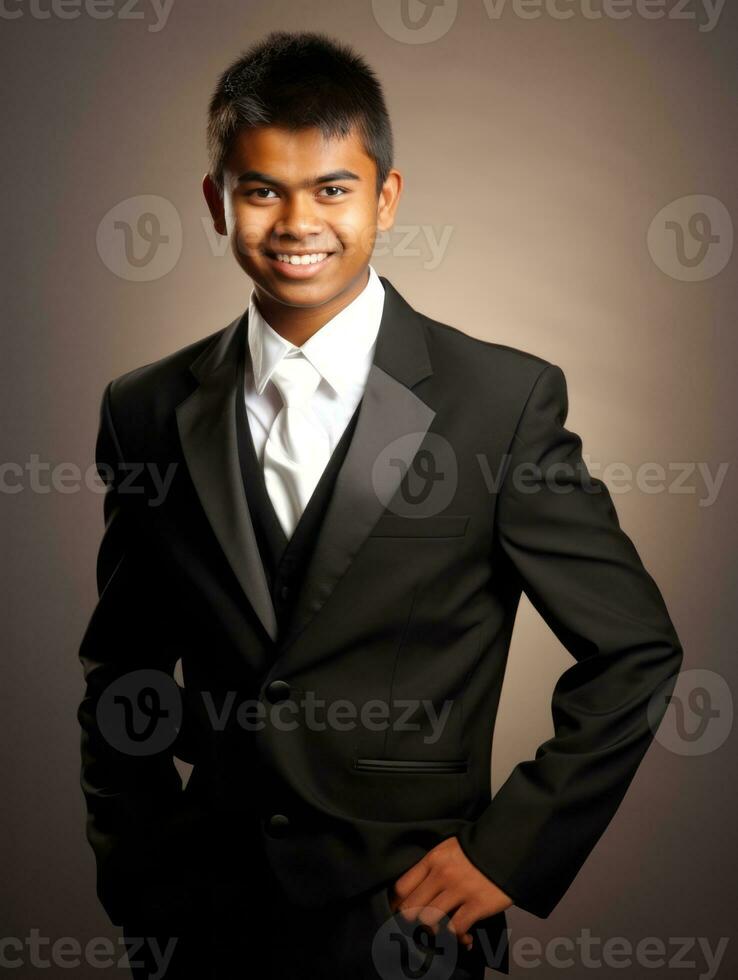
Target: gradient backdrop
(539,145)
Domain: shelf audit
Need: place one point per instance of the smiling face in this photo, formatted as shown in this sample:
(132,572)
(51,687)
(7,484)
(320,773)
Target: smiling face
(294,197)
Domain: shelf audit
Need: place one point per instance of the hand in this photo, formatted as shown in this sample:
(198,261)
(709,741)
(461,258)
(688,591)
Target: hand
(445,882)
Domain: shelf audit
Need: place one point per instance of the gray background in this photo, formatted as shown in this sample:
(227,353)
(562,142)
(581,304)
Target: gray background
(545,147)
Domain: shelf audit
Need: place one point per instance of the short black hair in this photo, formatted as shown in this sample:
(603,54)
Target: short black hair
(295,80)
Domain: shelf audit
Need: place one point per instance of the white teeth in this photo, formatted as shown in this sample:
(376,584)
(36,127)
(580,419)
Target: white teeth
(302,259)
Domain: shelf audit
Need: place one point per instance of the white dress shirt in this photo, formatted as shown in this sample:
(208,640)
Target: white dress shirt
(342,351)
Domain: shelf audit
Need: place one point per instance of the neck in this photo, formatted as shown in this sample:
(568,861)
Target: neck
(298,324)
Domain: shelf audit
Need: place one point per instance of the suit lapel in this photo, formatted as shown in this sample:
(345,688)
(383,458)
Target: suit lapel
(389,413)
(206,421)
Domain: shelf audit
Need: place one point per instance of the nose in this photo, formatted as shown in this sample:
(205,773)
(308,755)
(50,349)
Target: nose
(297,218)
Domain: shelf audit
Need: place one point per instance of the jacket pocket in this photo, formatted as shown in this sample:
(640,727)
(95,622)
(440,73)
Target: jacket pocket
(430,766)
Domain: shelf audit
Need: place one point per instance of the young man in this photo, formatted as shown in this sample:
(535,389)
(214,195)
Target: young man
(356,496)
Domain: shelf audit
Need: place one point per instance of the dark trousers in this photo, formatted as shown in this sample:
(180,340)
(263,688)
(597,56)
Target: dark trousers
(359,939)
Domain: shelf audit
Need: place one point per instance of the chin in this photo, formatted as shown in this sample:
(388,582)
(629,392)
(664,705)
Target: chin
(299,294)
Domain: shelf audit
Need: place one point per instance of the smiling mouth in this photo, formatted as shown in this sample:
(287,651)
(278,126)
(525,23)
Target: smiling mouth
(299,258)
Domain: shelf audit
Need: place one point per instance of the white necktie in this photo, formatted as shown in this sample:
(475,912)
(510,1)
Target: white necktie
(298,449)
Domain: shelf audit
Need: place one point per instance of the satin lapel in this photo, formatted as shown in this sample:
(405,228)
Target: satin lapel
(206,421)
(389,411)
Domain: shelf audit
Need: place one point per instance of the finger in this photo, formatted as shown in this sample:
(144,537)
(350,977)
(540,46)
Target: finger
(419,904)
(412,878)
(462,920)
(438,911)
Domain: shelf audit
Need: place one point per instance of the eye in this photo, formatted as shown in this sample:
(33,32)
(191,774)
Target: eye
(256,191)
(332,187)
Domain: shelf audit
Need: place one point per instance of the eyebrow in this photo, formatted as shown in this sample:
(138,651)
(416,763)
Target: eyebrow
(257,175)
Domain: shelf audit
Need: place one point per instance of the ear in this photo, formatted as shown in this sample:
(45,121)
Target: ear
(215,204)
(389,198)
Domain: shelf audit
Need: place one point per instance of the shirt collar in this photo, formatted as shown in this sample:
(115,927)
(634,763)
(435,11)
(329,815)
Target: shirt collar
(340,350)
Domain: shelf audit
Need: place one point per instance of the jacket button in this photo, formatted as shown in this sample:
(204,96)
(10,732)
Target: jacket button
(278,825)
(284,591)
(277,691)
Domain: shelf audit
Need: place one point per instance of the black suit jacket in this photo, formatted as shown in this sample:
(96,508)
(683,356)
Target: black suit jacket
(408,603)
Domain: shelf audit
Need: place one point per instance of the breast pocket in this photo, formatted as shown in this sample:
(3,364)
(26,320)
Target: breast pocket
(438,526)
(403,766)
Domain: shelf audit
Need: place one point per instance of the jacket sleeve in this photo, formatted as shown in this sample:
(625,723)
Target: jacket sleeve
(137,823)
(558,527)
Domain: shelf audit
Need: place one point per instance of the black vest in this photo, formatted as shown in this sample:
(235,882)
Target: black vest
(284,560)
